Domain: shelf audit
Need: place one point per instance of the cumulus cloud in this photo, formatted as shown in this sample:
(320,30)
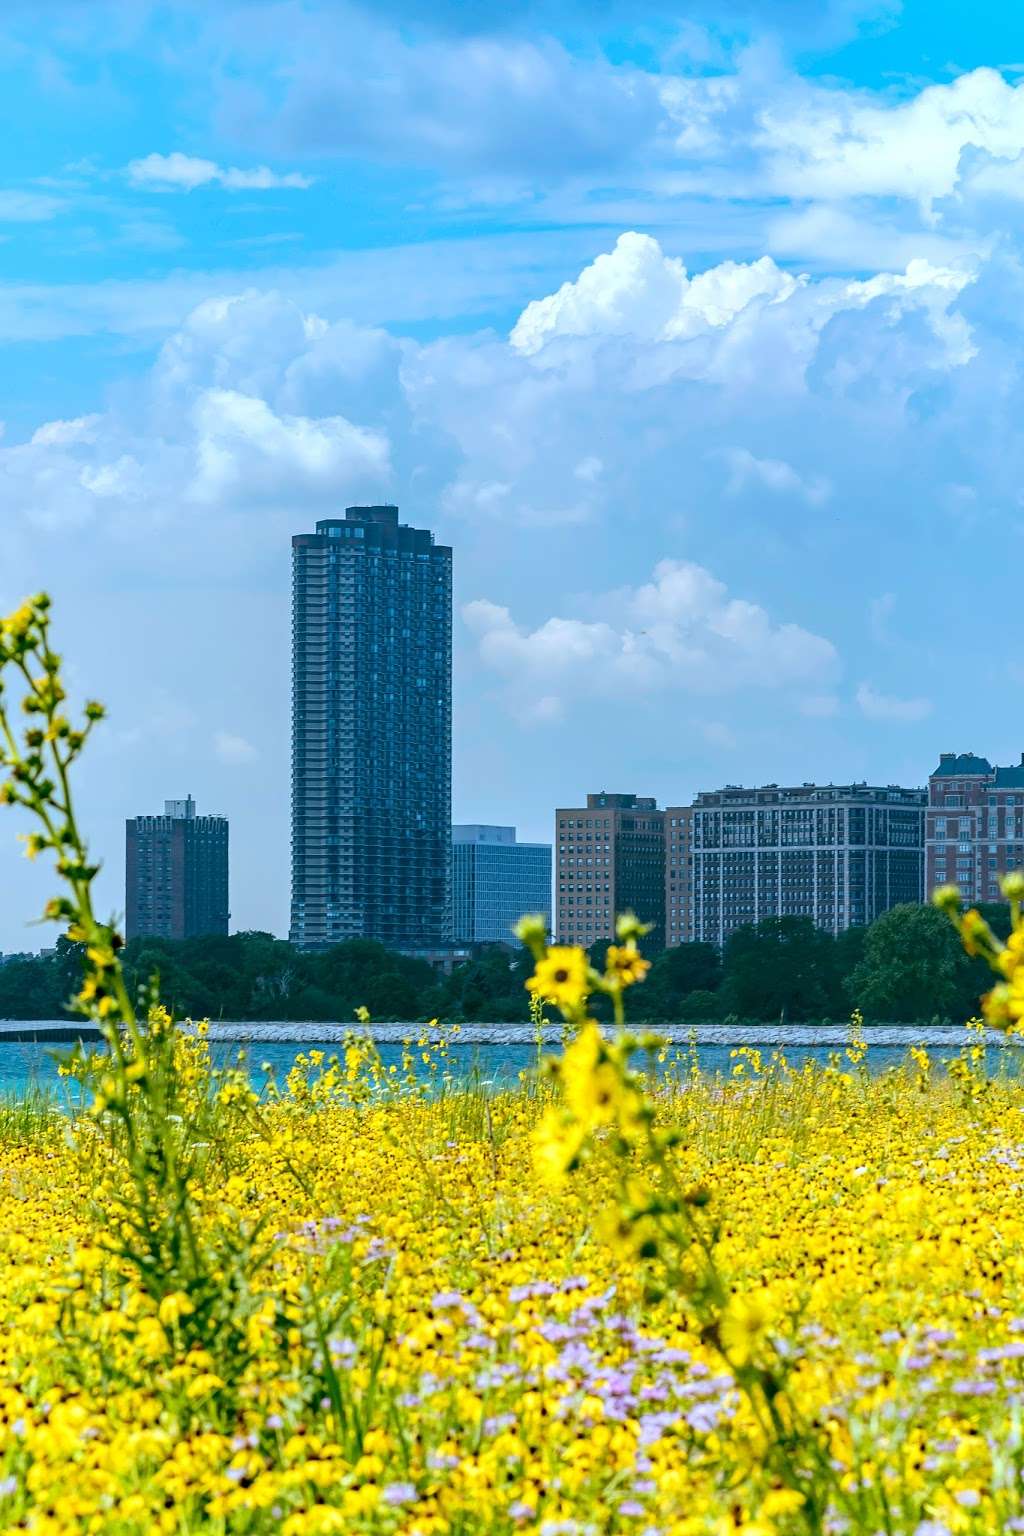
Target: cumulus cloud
(835,143)
(231,418)
(183,173)
(636,290)
(616,395)
(82,429)
(874,705)
(731,321)
(680,630)
(243,449)
(746,472)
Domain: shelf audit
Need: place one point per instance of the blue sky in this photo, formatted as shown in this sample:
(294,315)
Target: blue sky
(696,329)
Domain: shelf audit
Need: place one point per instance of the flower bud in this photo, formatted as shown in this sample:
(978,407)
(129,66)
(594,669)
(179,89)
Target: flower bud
(532,930)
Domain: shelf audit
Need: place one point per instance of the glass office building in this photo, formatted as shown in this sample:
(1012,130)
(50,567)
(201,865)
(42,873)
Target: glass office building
(496,881)
(371,733)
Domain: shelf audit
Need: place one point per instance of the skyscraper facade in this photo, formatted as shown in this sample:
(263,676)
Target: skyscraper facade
(838,854)
(371,733)
(975,824)
(678,875)
(176,873)
(496,881)
(611,859)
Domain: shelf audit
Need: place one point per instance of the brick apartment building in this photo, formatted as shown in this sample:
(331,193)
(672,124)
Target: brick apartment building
(176,873)
(678,875)
(975,824)
(610,858)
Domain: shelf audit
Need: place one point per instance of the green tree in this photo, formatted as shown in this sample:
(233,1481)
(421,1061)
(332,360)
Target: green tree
(675,974)
(780,967)
(699,1006)
(491,986)
(912,969)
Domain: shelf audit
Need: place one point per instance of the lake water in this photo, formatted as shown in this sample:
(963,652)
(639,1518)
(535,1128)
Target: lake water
(27,1064)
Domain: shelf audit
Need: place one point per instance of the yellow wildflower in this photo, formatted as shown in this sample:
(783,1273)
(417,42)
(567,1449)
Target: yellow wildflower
(174,1307)
(625,964)
(557,1143)
(745,1321)
(562,977)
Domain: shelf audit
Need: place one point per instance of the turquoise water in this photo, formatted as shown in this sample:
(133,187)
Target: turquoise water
(26,1065)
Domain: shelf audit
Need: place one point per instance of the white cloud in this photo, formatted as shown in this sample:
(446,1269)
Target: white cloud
(256,403)
(27,207)
(775,475)
(243,449)
(83,429)
(183,173)
(635,290)
(884,706)
(835,237)
(230,419)
(732,323)
(498,107)
(834,143)
(233,750)
(680,630)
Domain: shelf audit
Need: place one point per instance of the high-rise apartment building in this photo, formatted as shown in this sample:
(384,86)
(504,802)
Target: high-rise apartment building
(678,875)
(176,873)
(838,854)
(496,881)
(371,733)
(975,830)
(610,859)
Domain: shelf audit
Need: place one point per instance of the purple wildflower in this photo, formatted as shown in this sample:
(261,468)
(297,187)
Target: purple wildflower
(398,1493)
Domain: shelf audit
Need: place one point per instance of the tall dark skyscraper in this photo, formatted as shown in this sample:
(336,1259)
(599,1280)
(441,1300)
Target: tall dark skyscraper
(371,733)
(176,873)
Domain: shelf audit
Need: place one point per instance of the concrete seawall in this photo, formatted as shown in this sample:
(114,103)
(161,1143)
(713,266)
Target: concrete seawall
(764,1036)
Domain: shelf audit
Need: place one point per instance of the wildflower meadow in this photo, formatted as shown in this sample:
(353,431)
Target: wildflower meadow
(625,1297)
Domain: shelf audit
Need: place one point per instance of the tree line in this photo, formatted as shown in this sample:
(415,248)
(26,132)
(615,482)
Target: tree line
(908,966)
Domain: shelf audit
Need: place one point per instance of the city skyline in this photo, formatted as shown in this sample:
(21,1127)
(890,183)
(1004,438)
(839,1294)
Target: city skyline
(691,328)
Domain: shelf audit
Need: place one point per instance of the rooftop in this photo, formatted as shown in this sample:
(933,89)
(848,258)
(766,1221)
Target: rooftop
(961,765)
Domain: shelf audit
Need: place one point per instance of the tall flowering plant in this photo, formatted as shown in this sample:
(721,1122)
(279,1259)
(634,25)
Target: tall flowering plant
(665,1224)
(1003,1006)
(163,1131)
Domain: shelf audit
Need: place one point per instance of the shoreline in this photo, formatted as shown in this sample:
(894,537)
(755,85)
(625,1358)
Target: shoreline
(765,1036)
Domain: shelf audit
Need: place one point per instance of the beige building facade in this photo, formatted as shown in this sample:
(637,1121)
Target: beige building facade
(609,858)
